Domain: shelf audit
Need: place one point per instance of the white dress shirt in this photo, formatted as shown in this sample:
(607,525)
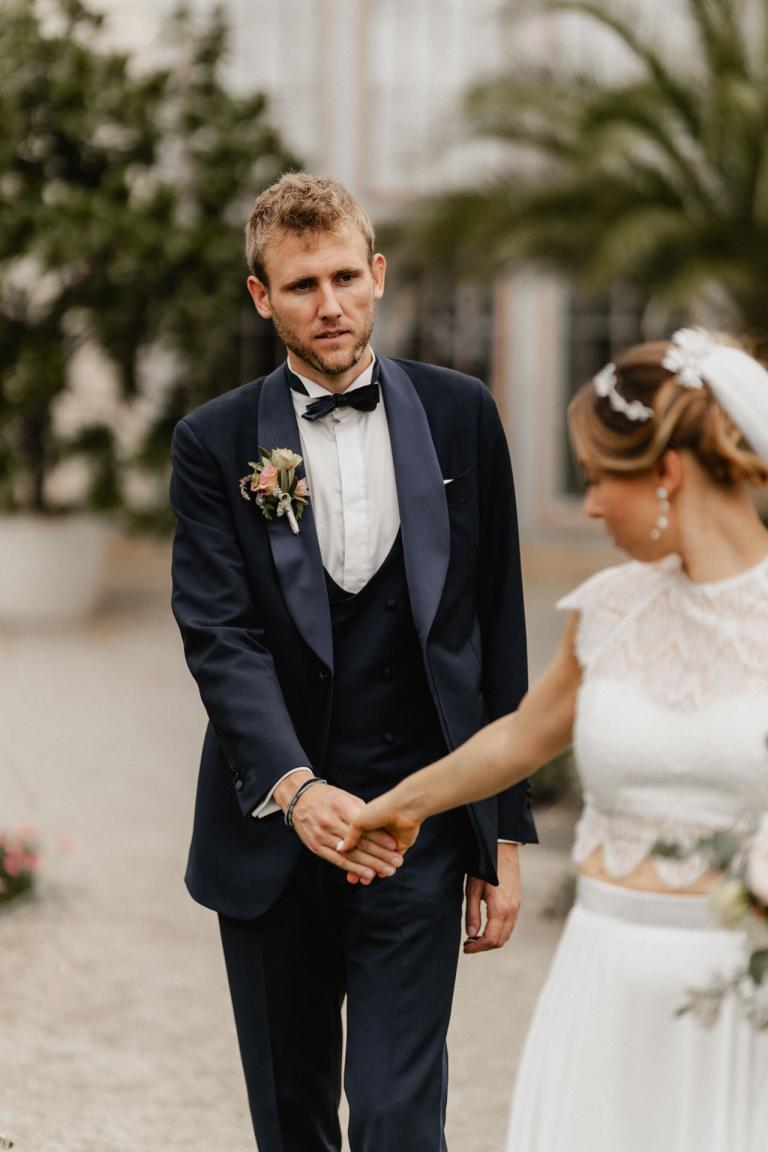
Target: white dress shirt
(352,491)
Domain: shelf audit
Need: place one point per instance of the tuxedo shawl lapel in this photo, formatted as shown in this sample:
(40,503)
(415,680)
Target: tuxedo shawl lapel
(297,557)
(420,493)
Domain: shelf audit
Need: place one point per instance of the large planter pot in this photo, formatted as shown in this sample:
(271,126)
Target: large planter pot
(52,570)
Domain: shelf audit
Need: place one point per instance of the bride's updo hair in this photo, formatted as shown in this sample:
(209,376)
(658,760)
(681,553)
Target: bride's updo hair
(684,418)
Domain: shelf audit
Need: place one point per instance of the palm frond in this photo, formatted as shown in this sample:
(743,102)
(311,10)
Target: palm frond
(635,119)
(659,181)
(721,35)
(630,241)
(664,77)
(532,107)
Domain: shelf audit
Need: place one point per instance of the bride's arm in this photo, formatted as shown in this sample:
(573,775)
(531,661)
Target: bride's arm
(495,758)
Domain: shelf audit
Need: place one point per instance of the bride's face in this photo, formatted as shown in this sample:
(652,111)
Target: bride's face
(629,507)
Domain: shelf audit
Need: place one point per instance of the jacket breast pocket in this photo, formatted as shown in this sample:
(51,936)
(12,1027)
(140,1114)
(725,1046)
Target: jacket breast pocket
(461,486)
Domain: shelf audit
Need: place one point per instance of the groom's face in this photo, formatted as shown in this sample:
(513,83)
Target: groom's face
(320,293)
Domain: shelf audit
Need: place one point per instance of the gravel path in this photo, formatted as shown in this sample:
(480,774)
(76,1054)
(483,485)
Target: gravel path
(115,1029)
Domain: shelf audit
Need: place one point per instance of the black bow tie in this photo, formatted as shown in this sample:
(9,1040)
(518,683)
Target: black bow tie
(364,399)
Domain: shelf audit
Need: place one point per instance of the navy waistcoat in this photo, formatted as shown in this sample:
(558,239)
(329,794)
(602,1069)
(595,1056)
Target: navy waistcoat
(383,723)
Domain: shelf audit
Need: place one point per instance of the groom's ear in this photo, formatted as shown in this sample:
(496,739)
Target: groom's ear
(260,295)
(379,272)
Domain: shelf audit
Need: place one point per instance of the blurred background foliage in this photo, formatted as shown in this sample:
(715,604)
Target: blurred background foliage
(656,178)
(557,782)
(123,193)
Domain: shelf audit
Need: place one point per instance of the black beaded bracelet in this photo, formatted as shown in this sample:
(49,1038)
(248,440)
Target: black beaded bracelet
(302,788)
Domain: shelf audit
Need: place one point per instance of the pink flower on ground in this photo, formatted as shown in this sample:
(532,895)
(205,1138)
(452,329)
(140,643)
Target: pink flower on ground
(269,478)
(12,864)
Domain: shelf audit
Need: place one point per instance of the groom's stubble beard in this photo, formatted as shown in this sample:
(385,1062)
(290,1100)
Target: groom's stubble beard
(310,354)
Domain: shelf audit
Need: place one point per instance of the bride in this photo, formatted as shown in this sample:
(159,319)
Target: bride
(661,684)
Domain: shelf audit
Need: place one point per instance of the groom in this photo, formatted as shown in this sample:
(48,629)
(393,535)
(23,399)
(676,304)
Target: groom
(333,661)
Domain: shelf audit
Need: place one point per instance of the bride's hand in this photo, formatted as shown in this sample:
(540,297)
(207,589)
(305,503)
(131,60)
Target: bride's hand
(383,814)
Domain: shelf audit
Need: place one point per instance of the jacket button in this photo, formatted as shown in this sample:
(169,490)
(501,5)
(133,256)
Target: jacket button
(324,675)
(388,672)
(389,737)
(392,602)
(239,785)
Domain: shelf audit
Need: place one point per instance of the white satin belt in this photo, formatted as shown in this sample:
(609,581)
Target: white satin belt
(662,909)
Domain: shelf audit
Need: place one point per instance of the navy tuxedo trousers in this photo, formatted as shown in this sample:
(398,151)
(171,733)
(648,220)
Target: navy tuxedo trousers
(392,950)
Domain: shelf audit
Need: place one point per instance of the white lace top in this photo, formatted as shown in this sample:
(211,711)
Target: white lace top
(671,733)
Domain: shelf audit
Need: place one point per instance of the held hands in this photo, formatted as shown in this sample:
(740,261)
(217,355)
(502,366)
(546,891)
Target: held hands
(322,817)
(383,815)
(369,840)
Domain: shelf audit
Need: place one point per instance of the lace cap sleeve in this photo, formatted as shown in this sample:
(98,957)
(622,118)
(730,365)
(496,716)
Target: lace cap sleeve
(604,601)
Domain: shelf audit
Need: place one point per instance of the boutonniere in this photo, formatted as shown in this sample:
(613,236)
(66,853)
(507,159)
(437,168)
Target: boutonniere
(274,486)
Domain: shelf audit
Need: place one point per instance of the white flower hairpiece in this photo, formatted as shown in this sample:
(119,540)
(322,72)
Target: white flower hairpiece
(690,348)
(737,380)
(605,386)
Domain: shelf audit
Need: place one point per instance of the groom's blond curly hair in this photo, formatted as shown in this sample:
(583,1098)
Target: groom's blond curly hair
(299,202)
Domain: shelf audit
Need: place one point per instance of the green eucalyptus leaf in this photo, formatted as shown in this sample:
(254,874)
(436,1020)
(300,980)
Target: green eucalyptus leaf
(758,965)
(721,848)
(668,850)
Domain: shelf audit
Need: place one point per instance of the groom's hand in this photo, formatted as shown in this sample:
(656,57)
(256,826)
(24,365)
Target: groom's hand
(502,904)
(321,817)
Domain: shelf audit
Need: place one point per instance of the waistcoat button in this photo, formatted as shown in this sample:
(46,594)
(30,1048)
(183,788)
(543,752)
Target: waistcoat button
(389,737)
(392,602)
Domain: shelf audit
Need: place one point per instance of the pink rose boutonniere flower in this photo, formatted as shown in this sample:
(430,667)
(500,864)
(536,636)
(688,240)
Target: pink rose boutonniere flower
(269,479)
(274,487)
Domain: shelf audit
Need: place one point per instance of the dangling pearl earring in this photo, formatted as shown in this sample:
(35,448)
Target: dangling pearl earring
(662,520)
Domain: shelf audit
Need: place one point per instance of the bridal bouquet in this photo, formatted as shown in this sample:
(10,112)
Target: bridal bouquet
(738,900)
(19,862)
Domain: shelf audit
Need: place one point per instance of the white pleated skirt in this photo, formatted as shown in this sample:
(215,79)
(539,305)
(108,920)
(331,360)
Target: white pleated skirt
(609,1067)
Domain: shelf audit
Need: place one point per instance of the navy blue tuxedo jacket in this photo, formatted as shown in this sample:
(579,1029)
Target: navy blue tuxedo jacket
(250,599)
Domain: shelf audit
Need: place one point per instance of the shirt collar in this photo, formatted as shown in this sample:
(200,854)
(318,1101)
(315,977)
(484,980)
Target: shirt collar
(317,390)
